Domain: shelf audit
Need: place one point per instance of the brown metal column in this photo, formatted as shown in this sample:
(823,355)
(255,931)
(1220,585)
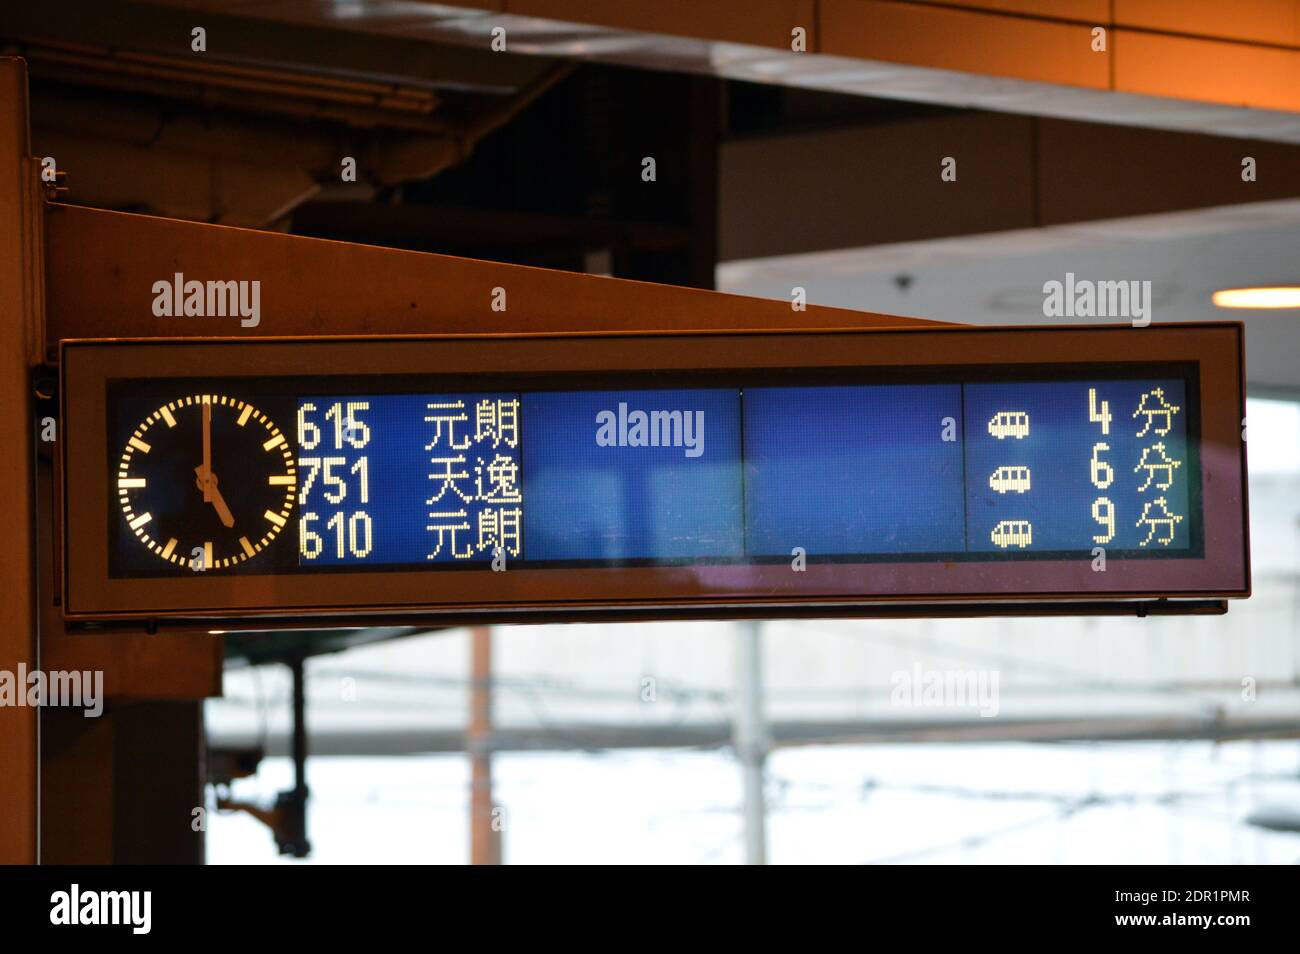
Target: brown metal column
(19,323)
(122,787)
(484,845)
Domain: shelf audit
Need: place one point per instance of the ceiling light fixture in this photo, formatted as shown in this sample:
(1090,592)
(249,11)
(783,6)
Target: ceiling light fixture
(1277,296)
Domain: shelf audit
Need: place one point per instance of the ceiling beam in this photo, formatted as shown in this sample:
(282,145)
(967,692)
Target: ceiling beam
(1227,69)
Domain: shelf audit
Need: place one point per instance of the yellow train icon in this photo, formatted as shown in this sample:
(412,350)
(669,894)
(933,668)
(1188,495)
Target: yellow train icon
(1010,479)
(1009,424)
(1013,533)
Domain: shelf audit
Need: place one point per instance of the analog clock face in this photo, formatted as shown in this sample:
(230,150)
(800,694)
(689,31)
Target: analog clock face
(206,482)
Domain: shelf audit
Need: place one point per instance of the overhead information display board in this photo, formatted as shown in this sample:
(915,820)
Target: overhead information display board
(604,473)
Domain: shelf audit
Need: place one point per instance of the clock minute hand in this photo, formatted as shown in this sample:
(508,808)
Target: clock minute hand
(207,482)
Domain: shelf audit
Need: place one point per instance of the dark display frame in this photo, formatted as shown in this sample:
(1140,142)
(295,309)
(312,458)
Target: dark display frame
(1207,355)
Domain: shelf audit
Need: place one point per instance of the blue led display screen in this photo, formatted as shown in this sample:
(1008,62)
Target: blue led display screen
(841,470)
(951,470)
(633,475)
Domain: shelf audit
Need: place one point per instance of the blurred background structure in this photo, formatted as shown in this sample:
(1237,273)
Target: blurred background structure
(1113,740)
(1146,740)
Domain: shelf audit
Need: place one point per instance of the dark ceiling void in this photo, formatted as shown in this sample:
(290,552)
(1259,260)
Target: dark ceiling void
(616,163)
(547,162)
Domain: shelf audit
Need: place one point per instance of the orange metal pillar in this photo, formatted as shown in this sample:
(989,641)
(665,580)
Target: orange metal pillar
(484,843)
(20,335)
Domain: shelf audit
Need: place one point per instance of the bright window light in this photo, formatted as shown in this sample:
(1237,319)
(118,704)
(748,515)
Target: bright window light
(1274,436)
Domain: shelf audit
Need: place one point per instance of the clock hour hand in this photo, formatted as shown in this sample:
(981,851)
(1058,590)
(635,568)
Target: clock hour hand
(206,481)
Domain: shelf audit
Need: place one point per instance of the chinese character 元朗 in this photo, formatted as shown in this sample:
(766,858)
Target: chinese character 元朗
(457,415)
(500,528)
(498,420)
(446,525)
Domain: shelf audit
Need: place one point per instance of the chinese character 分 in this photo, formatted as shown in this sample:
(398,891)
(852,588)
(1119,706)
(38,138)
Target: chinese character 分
(1162,463)
(1156,519)
(446,525)
(1154,405)
(449,414)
